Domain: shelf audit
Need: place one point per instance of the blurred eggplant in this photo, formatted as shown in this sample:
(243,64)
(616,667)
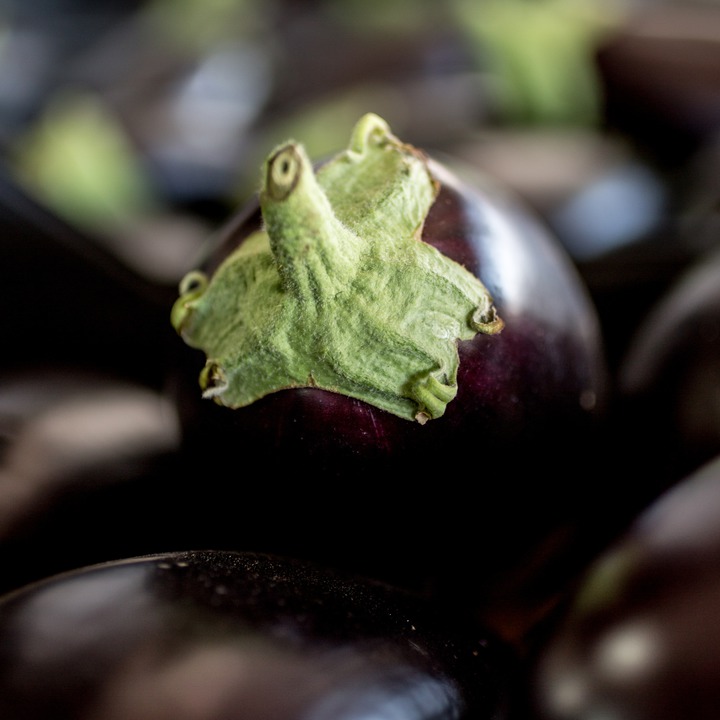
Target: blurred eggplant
(207,635)
(670,374)
(84,457)
(639,636)
(68,301)
(659,81)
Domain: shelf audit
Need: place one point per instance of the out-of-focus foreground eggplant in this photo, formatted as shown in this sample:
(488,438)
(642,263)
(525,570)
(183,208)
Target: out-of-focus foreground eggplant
(210,635)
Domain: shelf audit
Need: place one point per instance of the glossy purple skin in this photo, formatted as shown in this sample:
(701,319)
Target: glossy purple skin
(469,504)
(544,372)
(639,638)
(222,635)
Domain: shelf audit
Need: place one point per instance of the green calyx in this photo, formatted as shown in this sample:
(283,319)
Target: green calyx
(338,291)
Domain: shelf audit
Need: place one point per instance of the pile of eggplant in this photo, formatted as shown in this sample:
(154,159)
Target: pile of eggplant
(387,439)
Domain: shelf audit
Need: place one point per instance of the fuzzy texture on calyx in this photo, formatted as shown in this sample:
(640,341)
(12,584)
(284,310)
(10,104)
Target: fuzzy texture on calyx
(338,291)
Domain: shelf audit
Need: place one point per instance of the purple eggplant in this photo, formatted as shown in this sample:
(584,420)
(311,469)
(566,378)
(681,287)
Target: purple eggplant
(84,451)
(207,635)
(488,485)
(669,375)
(639,636)
(69,302)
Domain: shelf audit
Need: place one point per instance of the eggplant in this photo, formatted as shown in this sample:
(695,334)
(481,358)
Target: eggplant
(479,506)
(639,636)
(69,302)
(467,502)
(87,438)
(669,375)
(209,635)
(85,451)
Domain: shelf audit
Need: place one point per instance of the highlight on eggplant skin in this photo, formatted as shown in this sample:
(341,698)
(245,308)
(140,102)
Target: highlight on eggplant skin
(206,635)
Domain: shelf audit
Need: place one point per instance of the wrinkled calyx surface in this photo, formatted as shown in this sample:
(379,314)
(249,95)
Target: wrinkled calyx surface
(338,291)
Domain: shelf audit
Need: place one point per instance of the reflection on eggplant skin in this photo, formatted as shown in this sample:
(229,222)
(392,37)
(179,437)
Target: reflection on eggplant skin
(252,679)
(106,624)
(222,635)
(653,663)
(68,622)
